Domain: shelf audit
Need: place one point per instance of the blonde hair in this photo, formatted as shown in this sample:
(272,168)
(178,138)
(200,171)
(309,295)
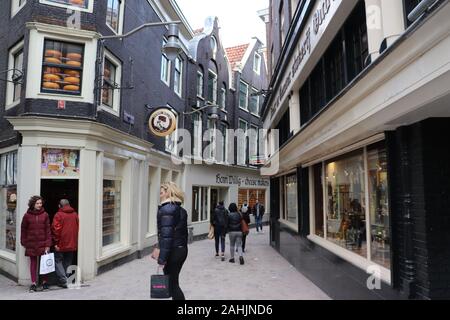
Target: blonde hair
(175,193)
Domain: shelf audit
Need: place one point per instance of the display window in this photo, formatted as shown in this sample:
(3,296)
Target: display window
(74,3)
(8,201)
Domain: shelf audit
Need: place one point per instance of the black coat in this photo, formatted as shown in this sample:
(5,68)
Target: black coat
(172,229)
(220,217)
(234,222)
(262,210)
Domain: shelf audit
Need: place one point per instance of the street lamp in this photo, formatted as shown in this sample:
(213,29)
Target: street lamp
(172,48)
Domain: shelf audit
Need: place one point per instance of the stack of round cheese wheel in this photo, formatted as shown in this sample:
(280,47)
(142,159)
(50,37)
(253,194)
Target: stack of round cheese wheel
(51,77)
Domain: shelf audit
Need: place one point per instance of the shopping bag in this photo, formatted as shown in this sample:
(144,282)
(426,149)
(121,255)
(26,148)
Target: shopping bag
(47,264)
(159,286)
(244,227)
(211,232)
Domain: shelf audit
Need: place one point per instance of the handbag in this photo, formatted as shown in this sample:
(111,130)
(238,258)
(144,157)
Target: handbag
(211,232)
(244,227)
(47,264)
(159,286)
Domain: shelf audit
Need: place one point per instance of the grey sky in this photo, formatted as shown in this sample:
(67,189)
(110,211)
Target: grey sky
(238,19)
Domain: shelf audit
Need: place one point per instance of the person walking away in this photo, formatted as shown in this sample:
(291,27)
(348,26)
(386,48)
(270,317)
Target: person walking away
(219,220)
(235,232)
(36,238)
(258,212)
(245,212)
(172,236)
(65,238)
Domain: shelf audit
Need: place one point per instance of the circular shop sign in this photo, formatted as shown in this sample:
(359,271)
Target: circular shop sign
(162,122)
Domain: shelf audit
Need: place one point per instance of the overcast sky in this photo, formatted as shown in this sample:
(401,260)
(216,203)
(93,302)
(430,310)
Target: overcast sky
(238,19)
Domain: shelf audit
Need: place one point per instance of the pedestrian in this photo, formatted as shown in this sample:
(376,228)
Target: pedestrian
(219,220)
(258,211)
(65,238)
(235,232)
(36,237)
(245,213)
(172,236)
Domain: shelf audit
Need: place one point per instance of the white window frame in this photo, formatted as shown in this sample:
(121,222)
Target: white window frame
(115,110)
(208,204)
(15,7)
(121,15)
(167,64)
(257,114)
(246,96)
(174,135)
(255,143)
(257,66)
(10,103)
(179,92)
(200,86)
(225,142)
(89,9)
(245,143)
(215,83)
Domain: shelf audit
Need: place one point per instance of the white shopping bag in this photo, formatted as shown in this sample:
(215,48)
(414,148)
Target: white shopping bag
(47,264)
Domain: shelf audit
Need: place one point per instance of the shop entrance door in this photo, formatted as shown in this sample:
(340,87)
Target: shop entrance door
(53,190)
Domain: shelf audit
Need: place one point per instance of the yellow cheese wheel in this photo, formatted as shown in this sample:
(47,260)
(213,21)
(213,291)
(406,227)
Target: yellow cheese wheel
(73,63)
(71,88)
(52,70)
(74,56)
(51,77)
(53,53)
(77,2)
(52,60)
(50,85)
(72,80)
(72,73)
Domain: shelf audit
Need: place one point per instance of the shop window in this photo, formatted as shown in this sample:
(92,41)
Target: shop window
(8,201)
(318,200)
(111,83)
(379,205)
(254,102)
(212,87)
(200,83)
(112,206)
(199,204)
(15,76)
(345,194)
(83,4)
(165,67)
(290,205)
(16,5)
(178,77)
(243,95)
(113,15)
(250,196)
(62,70)
(242,152)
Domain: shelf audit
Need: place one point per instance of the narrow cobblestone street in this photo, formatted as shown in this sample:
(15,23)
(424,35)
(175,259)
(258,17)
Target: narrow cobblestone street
(265,276)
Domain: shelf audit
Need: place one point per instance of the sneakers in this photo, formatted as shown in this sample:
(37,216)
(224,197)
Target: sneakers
(223,258)
(33,288)
(217,256)
(241,260)
(45,287)
(63,285)
(231,261)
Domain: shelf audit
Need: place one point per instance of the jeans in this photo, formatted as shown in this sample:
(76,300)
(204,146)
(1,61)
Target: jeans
(235,243)
(173,267)
(244,240)
(259,224)
(219,236)
(62,261)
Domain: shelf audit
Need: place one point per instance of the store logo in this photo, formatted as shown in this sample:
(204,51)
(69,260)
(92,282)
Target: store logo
(162,122)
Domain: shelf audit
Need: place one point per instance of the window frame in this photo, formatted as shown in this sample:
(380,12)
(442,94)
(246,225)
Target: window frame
(180,72)
(200,86)
(214,87)
(258,102)
(245,144)
(10,87)
(16,7)
(116,107)
(168,67)
(201,189)
(257,57)
(246,95)
(223,99)
(120,17)
(89,9)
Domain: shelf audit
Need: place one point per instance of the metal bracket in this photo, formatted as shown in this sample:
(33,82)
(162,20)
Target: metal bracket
(16,78)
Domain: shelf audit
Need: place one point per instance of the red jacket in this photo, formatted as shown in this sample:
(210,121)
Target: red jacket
(36,234)
(65,229)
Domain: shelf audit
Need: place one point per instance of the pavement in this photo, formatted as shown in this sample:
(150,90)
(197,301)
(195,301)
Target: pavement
(264,276)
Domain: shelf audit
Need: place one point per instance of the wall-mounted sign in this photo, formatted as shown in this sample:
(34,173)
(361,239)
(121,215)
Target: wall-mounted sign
(60,163)
(242,181)
(162,122)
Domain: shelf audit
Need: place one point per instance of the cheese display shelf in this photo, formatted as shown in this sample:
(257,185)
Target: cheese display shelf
(76,3)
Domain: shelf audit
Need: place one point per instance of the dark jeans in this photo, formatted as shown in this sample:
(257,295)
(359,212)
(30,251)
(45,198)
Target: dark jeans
(219,236)
(173,267)
(244,238)
(259,223)
(62,261)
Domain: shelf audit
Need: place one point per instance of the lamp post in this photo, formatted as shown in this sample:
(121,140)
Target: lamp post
(171,49)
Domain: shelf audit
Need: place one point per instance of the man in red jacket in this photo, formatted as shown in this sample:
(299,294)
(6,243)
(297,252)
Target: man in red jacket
(65,238)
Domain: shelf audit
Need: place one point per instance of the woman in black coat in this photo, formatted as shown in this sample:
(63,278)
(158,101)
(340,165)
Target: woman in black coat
(172,236)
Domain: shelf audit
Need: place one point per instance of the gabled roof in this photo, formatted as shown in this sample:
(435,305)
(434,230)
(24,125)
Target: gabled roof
(236,54)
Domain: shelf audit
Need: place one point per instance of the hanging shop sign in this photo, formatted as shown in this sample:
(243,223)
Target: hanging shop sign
(60,163)
(162,122)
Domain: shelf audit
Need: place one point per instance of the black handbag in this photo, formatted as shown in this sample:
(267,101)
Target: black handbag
(160,286)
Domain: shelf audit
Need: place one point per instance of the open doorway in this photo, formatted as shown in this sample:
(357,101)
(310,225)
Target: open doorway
(53,190)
